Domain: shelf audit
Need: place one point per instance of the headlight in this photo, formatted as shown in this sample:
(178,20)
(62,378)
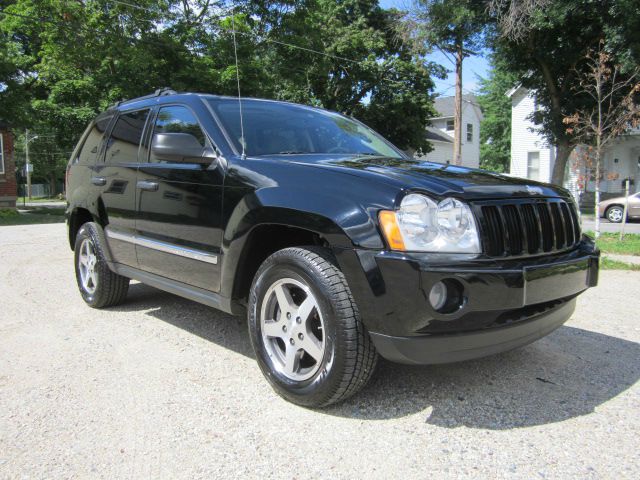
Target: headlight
(423,225)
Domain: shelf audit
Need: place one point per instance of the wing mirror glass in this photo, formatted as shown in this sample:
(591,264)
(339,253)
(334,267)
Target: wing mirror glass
(180,147)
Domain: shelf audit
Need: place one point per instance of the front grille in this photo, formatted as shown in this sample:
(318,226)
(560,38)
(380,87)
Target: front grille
(527,227)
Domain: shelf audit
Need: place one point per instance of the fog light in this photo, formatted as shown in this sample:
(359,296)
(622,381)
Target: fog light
(438,295)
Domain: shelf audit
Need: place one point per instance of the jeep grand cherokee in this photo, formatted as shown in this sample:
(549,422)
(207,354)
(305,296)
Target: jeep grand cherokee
(336,245)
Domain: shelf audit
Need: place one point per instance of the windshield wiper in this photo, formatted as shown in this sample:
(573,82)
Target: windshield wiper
(291,152)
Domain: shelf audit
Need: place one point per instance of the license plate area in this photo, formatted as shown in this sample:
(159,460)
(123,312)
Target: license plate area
(550,282)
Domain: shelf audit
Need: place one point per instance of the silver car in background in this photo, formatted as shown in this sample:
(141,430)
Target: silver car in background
(613,209)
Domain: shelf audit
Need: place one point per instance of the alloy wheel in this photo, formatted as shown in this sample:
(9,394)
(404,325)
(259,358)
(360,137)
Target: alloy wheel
(87,261)
(292,329)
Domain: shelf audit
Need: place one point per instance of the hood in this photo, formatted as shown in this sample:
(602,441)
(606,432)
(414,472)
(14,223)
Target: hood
(436,178)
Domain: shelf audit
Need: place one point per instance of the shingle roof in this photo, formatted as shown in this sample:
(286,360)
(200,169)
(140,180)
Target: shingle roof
(437,135)
(445,105)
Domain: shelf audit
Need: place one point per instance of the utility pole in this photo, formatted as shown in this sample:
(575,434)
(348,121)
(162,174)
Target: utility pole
(27,165)
(457,116)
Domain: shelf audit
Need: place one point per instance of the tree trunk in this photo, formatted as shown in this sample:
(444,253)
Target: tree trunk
(597,183)
(52,184)
(457,112)
(563,150)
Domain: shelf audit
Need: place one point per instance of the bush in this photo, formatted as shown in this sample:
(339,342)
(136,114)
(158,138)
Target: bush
(8,213)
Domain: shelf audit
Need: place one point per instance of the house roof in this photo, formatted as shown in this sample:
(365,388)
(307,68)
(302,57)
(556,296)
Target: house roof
(435,135)
(445,105)
(514,90)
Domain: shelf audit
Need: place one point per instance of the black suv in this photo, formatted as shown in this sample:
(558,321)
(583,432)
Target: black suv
(336,245)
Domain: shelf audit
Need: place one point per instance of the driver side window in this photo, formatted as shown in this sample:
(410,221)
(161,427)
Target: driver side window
(177,119)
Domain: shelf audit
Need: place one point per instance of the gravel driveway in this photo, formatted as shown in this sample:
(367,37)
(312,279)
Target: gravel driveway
(165,388)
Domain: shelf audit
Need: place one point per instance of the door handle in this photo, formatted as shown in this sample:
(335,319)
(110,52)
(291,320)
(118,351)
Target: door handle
(99,181)
(147,185)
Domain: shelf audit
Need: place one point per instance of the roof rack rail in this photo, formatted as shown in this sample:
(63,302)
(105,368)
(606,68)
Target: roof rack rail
(158,93)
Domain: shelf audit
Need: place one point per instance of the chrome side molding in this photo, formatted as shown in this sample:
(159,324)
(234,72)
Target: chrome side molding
(163,246)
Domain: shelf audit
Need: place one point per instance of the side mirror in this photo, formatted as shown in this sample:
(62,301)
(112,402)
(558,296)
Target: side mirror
(178,147)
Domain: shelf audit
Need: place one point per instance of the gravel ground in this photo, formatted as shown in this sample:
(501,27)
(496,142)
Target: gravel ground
(165,388)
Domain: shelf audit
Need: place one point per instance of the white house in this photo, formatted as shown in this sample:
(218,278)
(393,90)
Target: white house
(440,133)
(532,157)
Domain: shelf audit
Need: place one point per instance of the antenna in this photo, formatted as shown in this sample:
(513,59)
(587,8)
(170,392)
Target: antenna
(235,53)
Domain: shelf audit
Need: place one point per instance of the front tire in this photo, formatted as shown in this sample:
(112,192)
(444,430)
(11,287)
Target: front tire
(98,285)
(306,330)
(615,214)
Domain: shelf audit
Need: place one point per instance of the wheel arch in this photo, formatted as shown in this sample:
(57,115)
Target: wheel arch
(268,220)
(78,217)
(244,256)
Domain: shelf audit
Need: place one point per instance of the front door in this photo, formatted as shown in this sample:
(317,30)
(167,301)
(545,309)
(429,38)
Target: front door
(179,207)
(116,177)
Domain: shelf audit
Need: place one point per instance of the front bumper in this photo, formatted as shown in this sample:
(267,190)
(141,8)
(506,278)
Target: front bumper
(433,349)
(503,303)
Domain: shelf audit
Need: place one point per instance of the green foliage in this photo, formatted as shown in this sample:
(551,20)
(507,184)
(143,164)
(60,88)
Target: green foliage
(611,243)
(449,24)
(8,214)
(607,263)
(57,73)
(495,129)
(548,54)
(31,216)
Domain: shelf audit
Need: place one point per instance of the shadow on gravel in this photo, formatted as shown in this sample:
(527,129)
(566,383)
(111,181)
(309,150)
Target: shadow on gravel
(564,375)
(206,322)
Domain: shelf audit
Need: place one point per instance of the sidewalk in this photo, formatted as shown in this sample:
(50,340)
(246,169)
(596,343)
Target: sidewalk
(51,204)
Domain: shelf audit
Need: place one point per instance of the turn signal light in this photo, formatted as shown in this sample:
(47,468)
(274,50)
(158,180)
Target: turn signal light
(391,230)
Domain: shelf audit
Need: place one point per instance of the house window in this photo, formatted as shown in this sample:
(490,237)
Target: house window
(449,125)
(1,154)
(533,165)
(469,132)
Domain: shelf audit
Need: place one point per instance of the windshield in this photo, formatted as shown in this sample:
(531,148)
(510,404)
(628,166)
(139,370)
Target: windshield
(272,128)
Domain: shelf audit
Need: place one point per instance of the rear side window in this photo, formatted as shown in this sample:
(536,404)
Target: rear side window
(125,137)
(93,141)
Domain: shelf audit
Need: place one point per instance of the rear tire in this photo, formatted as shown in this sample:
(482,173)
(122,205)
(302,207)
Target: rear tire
(98,285)
(615,213)
(313,348)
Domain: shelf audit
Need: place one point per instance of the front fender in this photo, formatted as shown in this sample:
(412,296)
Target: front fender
(342,222)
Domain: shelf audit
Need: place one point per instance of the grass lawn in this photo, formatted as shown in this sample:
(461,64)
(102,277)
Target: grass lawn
(609,264)
(610,243)
(20,201)
(31,215)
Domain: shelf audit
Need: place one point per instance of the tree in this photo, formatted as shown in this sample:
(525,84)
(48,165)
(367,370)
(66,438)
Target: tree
(455,27)
(362,70)
(543,41)
(613,112)
(61,62)
(495,129)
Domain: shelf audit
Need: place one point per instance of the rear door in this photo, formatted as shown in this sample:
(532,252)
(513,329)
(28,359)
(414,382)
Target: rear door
(179,205)
(116,177)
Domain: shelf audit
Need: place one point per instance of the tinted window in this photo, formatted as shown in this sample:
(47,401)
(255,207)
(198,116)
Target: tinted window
(272,128)
(125,137)
(176,119)
(93,141)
